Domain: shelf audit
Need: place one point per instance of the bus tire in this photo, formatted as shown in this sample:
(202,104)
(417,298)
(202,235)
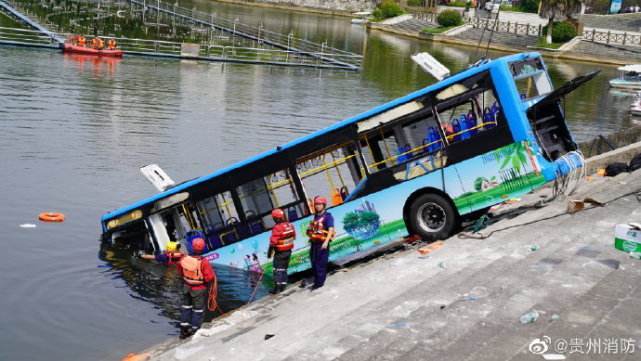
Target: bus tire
(432,217)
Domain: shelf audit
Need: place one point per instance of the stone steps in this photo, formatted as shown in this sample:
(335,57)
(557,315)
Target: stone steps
(457,284)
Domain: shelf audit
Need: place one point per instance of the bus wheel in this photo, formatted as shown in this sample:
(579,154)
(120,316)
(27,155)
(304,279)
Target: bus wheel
(432,217)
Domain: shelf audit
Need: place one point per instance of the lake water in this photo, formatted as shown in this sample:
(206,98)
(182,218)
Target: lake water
(74,131)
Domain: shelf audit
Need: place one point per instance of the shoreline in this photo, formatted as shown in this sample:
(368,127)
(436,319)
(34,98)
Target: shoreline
(569,55)
(281,6)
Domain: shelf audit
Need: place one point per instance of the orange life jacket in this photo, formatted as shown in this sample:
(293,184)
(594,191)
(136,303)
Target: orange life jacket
(111,44)
(283,235)
(316,231)
(81,40)
(191,269)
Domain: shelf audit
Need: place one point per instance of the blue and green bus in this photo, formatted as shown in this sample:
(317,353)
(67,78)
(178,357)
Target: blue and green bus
(414,166)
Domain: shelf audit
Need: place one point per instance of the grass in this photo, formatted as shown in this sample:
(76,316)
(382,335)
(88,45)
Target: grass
(437,30)
(477,200)
(541,43)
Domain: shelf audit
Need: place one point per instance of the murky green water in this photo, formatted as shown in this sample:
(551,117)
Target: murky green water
(74,131)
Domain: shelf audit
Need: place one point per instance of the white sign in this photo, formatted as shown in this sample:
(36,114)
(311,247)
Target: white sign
(157,177)
(431,65)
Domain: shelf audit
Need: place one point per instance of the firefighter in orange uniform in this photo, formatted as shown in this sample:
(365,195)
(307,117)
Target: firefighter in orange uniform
(281,244)
(196,273)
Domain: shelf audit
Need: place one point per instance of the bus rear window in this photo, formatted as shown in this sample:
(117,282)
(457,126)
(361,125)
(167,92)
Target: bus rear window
(531,78)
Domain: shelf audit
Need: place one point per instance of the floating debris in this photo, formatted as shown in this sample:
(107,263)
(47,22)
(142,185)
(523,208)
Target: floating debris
(555,317)
(441,265)
(28,225)
(534,248)
(268,336)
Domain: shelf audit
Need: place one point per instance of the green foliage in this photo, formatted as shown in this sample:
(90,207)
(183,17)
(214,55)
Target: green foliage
(449,18)
(529,6)
(436,30)
(478,183)
(562,31)
(415,3)
(387,9)
(458,4)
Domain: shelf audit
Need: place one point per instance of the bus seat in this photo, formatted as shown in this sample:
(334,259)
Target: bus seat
(433,137)
(243,231)
(291,214)
(402,158)
(471,123)
(229,237)
(214,239)
(256,227)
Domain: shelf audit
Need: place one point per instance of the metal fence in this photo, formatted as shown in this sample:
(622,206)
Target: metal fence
(507,27)
(287,42)
(16,36)
(610,37)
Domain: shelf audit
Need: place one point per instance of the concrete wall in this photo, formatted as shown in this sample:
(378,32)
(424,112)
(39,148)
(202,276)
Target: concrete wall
(329,5)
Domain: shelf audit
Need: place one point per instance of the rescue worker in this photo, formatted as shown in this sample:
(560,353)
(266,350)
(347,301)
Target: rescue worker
(320,233)
(111,44)
(97,43)
(82,41)
(196,273)
(170,256)
(281,244)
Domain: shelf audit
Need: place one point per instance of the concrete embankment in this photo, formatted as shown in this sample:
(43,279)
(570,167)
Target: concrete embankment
(462,301)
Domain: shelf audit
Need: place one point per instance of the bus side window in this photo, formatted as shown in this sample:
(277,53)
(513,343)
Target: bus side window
(470,117)
(403,141)
(260,196)
(218,212)
(331,173)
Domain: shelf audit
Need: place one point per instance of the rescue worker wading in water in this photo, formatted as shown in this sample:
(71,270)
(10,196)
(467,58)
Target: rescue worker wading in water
(171,255)
(320,233)
(196,273)
(281,244)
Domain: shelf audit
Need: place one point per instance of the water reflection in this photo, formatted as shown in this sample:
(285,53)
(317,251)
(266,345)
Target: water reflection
(160,285)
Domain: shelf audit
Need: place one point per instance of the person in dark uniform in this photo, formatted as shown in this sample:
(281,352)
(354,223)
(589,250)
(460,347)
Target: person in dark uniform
(320,233)
(281,244)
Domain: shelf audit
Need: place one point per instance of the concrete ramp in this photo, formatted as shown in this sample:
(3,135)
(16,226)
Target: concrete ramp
(461,302)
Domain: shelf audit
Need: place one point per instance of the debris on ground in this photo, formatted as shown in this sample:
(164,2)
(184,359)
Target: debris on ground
(529,317)
(425,250)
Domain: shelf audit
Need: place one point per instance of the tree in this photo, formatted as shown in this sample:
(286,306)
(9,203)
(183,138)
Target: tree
(551,9)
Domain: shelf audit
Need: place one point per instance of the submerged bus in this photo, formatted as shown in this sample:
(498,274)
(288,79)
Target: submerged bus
(415,165)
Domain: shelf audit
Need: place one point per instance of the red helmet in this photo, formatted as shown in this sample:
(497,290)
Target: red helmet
(278,213)
(320,200)
(198,245)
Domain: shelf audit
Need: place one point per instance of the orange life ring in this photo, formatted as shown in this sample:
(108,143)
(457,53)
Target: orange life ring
(51,217)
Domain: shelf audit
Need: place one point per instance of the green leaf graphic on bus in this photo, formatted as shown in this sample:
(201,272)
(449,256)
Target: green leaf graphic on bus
(362,223)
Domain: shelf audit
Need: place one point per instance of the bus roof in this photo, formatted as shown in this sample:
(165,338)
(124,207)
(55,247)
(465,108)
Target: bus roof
(353,119)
